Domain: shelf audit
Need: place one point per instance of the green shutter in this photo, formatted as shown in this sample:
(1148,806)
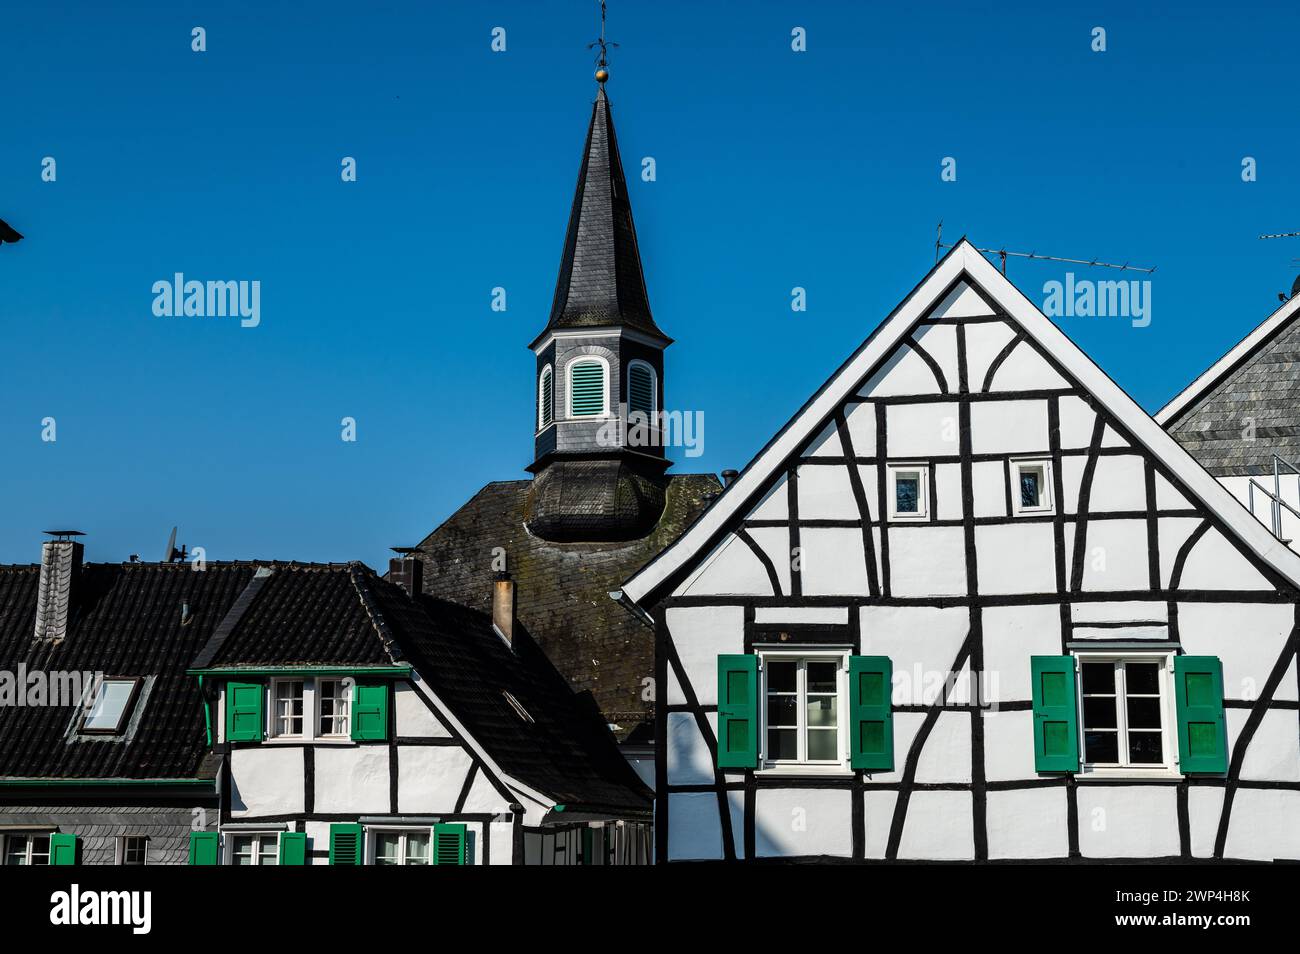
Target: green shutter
(737,711)
(345,844)
(203,847)
(1056,719)
(63,849)
(369,712)
(641,390)
(871,717)
(587,389)
(449,845)
(1202,734)
(244,722)
(293,848)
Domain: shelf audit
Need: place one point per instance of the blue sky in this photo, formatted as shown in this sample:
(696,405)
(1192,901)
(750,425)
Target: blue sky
(775,169)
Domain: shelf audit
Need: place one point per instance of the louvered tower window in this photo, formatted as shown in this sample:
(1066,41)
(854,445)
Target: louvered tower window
(641,390)
(545,399)
(587,388)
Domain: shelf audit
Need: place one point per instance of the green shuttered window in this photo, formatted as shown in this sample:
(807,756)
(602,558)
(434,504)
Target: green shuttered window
(586,388)
(737,711)
(203,847)
(871,718)
(244,722)
(641,390)
(449,845)
(369,712)
(293,848)
(1056,732)
(1202,733)
(63,848)
(345,844)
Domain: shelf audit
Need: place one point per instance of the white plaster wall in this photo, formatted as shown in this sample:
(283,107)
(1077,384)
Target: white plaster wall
(989,486)
(1009,427)
(832,562)
(1077,421)
(694,830)
(920,664)
(689,759)
(860,419)
(266,780)
(1274,751)
(947,492)
(924,561)
(825,493)
(906,725)
(1204,808)
(731,569)
(1117,821)
(1118,483)
(775,543)
(904,372)
(939,827)
(1016,558)
(1263,826)
(983,344)
(828,615)
(801,822)
(1011,635)
(775,504)
(1214,563)
(414,720)
(940,342)
(429,778)
(878,816)
(503,835)
(352,779)
(1029,823)
(1171,534)
(826,443)
(1025,370)
(922,431)
(1168,497)
(484,799)
(1217,629)
(946,756)
(1009,745)
(318,839)
(1116,556)
(700,634)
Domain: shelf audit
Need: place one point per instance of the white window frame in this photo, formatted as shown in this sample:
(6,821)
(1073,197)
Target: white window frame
(124,718)
(273,711)
(31,836)
(230,837)
(654,388)
(922,471)
(1046,504)
(568,387)
(819,653)
(374,831)
(1168,715)
(122,841)
(318,697)
(542,423)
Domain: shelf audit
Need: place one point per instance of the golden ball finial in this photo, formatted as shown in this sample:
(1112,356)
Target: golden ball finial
(602,75)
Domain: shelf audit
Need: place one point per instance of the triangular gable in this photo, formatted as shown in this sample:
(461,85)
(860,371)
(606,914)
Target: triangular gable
(942,293)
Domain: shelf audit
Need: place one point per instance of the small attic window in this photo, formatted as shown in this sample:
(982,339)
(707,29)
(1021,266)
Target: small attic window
(111,707)
(517,706)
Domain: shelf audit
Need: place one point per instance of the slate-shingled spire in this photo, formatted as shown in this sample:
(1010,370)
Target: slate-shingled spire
(600,282)
(599,362)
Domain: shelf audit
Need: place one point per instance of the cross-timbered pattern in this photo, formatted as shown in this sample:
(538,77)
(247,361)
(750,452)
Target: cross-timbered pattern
(1092,645)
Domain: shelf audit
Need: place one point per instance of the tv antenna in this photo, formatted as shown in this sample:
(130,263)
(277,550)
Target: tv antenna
(1295,286)
(1003,254)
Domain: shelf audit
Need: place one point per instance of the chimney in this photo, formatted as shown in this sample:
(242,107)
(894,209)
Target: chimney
(503,606)
(729,477)
(60,565)
(406,571)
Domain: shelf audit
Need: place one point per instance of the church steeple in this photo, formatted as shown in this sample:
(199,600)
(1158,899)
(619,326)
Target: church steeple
(599,456)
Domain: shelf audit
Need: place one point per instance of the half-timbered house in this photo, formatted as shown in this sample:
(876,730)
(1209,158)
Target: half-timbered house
(973,604)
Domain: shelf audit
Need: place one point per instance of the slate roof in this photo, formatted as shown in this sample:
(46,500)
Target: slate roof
(1263,385)
(125,620)
(340,614)
(562,589)
(601,281)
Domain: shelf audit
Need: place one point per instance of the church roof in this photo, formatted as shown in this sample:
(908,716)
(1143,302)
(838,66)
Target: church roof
(1257,380)
(562,589)
(600,282)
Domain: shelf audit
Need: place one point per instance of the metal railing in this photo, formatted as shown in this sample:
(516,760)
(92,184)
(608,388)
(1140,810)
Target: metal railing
(1275,495)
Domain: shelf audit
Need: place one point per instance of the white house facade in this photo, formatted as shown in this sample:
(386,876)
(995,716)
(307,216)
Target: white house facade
(972,604)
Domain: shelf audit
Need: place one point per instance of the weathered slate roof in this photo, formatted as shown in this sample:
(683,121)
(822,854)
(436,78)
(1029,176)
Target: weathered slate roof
(125,620)
(601,281)
(1246,407)
(562,589)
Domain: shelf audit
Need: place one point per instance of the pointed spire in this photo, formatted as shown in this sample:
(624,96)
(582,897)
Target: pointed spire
(601,282)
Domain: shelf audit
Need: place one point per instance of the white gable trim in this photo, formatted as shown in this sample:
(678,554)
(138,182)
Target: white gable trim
(963,259)
(1242,350)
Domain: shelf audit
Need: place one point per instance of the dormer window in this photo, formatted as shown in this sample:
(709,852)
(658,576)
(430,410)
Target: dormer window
(110,709)
(546,399)
(587,388)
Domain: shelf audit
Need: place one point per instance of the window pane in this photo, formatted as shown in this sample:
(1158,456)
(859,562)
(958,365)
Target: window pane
(782,711)
(782,744)
(1144,748)
(1029,487)
(822,711)
(1142,679)
(1100,747)
(110,704)
(781,676)
(243,850)
(387,848)
(1098,677)
(823,745)
(417,849)
(907,493)
(822,676)
(16,850)
(1099,713)
(1144,713)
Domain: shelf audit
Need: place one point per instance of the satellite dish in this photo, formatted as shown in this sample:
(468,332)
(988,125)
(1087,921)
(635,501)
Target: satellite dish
(171,547)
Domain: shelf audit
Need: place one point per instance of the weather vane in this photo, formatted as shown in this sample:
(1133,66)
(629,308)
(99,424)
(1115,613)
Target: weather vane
(602,60)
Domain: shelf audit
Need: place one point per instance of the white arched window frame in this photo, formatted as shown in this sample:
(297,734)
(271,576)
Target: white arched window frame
(587,408)
(546,398)
(632,368)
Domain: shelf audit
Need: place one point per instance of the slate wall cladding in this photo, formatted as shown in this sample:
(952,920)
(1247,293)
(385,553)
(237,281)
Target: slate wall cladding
(98,828)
